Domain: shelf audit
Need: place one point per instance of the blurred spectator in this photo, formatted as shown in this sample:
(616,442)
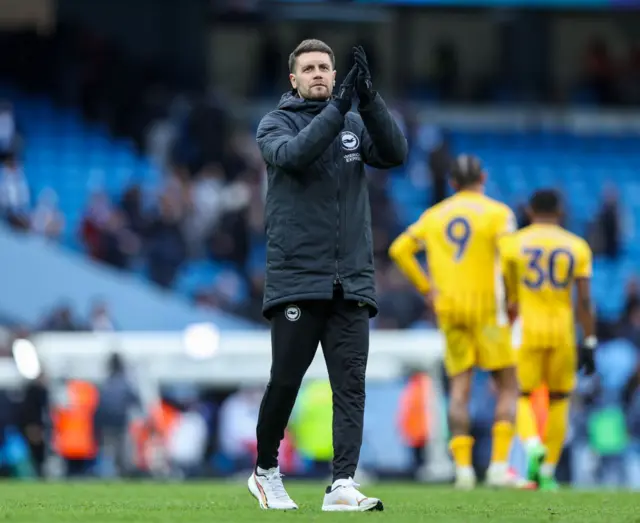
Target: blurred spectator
(188,442)
(100,319)
(61,320)
(252,307)
(631,390)
(237,418)
(439,164)
(117,243)
(230,240)
(608,226)
(7,418)
(9,137)
(384,221)
(207,205)
(73,417)
(95,219)
(15,197)
(106,234)
(118,398)
(33,420)
(414,416)
(400,305)
(131,205)
(46,219)
(631,300)
(166,247)
(631,329)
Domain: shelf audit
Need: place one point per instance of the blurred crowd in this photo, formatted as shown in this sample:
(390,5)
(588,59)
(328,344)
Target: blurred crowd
(209,205)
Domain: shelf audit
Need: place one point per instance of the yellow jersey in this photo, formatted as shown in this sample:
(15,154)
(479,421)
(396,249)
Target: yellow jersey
(461,236)
(541,263)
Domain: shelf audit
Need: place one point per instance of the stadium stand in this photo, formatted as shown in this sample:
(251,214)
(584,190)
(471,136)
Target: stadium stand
(77,159)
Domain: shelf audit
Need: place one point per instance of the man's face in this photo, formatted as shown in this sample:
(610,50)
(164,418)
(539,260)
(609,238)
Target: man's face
(314,76)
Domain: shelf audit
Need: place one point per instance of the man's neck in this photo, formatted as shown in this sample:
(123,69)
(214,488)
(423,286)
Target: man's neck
(545,220)
(476,188)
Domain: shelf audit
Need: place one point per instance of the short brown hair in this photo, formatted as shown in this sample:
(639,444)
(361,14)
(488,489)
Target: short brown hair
(310,46)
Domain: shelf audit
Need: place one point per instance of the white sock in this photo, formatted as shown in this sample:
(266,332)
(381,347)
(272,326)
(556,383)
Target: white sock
(548,470)
(498,468)
(532,443)
(465,472)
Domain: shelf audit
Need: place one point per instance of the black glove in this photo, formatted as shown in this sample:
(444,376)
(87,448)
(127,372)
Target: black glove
(587,353)
(364,87)
(343,98)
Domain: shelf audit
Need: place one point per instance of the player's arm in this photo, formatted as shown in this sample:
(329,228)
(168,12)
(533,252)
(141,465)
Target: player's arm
(506,225)
(509,268)
(293,151)
(585,310)
(403,253)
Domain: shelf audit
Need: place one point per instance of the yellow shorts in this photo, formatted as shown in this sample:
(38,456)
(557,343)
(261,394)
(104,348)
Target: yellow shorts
(554,367)
(486,346)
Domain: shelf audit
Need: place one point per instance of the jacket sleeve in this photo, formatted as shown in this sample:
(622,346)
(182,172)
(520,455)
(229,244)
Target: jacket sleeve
(284,147)
(383,144)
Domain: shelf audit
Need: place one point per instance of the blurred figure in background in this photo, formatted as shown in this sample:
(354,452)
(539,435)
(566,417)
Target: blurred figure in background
(9,136)
(414,420)
(609,224)
(166,248)
(237,420)
(15,196)
(61,319)
(100,319)
(73,421)
(7,418)
(46,219)
(187,443)
(439,162)
(33,420)
(118,398)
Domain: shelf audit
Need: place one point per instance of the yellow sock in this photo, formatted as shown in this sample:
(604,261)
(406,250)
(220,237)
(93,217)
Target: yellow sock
(556,429)
(461,447)
(502,435)
(526,420)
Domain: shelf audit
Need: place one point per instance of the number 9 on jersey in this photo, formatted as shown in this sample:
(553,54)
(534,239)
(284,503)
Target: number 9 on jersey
(458,233)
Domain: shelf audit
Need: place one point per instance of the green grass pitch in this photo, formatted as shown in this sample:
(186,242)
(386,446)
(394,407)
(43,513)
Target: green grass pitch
(230,502)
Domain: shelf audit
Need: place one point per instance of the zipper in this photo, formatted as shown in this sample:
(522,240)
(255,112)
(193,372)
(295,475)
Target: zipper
(337,280)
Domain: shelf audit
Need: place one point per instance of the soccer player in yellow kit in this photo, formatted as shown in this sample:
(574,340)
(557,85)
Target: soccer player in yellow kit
(542,264)
(465,287)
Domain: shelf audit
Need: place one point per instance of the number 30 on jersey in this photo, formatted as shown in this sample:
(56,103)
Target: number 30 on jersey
(557,271)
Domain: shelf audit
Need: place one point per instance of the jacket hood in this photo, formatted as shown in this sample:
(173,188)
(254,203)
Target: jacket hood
(290,101)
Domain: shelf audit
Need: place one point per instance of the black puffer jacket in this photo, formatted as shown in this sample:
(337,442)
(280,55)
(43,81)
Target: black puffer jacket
(318,218)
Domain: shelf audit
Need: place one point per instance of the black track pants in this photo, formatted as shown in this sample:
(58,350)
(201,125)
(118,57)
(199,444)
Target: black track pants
(342,328)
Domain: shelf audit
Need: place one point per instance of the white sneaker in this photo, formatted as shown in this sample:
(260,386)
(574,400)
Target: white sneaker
(501,476)
(266,486)
(343,496)
(465,478)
